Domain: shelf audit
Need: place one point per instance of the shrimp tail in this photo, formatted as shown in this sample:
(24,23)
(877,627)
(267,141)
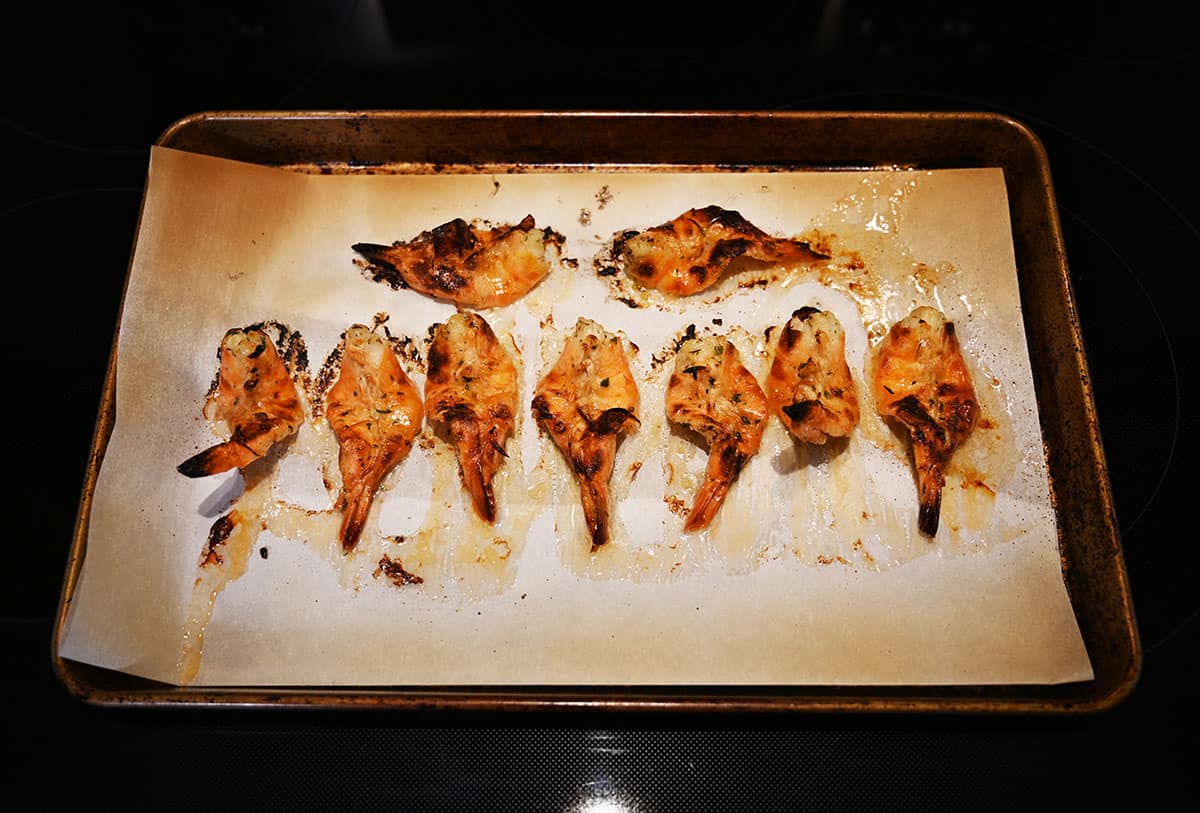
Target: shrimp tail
(216,459)
(798,250)
(593,494)
(930,481)
(708,501)
(381,264)
(930,458)
(725,462)
(593,462)
(357,504)
(472,462)
(482,495)
(930,512)
(375,252)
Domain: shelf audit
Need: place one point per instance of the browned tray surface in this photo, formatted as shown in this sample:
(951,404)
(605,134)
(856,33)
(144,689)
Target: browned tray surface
(1093,565)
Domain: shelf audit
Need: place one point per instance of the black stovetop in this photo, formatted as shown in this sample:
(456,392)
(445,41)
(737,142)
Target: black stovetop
(89,88)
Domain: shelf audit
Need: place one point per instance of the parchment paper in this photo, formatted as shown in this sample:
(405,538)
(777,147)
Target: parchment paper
(813,574)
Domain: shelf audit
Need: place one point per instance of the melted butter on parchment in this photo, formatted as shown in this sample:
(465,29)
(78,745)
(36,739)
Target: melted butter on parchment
(224,559)
(553,482)
(457,553)
(234,538)
(658,469)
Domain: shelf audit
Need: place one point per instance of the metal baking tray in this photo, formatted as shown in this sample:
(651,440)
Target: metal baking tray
(441,141)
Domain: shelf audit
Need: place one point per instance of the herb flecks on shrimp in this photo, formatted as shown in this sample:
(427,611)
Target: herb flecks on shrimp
(375,412)
(922,381)
(713,393)
(586,401)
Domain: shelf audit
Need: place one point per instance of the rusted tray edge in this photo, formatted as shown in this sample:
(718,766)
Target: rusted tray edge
(81,681)
(535,698)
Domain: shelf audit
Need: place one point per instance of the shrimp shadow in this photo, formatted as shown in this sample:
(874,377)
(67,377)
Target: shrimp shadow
(690,435)
(220,500)
(440,430)
(230,490)
(803,455)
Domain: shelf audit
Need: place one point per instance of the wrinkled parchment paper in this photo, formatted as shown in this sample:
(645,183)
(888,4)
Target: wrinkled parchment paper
(813,573)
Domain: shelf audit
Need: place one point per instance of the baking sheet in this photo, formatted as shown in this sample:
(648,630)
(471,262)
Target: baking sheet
(813,574)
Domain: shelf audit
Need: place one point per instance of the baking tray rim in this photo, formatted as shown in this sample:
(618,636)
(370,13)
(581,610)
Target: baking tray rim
(88,683)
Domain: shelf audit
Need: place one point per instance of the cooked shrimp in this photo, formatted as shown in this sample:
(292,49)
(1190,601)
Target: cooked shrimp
(809,385)
(585,402)
(375,412)
(691,253)
(467,264)
(471,386)
(922,381)
(255,398)
(712,393)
